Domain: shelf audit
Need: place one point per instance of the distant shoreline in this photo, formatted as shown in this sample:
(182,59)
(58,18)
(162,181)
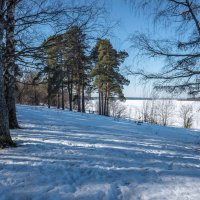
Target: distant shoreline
(145,98)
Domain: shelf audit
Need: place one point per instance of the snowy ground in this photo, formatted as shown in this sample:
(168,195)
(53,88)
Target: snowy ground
(66,155)
(134,109)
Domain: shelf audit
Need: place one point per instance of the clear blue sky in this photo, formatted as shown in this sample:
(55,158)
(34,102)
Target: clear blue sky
(130,22)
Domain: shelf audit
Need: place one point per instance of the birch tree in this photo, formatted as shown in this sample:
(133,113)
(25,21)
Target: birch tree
(10,66)
(5,138)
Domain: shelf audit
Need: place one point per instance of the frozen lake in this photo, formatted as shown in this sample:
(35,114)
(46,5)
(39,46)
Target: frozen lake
(172,110)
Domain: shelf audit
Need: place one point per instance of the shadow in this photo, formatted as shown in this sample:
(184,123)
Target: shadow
(81,157)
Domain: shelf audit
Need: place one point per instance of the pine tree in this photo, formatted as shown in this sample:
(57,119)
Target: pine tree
(76,64)
(54,68)
(68,66)
(106,73)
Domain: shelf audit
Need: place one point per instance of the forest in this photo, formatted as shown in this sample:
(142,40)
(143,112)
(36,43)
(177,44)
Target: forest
(61,69)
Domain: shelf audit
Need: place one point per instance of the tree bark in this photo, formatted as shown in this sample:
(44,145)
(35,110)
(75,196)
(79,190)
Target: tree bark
(49,91)
(5,138)
(78,97)
(49,100)
(70,88)
(102,104)
(10,67)
(36,102)
(63,99)
(107,100)
(105,104)
(83,98)
(99,102)
(58,99)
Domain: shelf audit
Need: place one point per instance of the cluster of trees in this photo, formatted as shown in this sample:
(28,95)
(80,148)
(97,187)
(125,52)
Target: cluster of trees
(186,114)
(73,71)
(65,66)
(158,111)
(41,68)
(164,112)
(28,91)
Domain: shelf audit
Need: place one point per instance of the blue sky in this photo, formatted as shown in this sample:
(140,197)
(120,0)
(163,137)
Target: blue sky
(130,22)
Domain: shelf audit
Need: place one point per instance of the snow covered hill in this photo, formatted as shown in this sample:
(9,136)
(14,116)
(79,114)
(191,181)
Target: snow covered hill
(67,155)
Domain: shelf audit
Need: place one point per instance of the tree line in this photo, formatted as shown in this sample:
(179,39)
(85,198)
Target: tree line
(63,65)
(72,63)
(73,71)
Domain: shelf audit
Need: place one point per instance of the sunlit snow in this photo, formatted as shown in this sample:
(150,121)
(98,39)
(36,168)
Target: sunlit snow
(67,155)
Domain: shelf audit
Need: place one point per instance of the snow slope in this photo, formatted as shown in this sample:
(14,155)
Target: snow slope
(66,155)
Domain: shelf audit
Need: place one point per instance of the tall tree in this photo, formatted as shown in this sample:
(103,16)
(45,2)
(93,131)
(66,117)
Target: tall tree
(54,69)
(5,138)
(76,64)
(10,66)
(107,75)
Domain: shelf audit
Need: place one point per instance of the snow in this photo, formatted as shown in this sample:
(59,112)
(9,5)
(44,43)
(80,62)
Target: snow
(68,155)
(133,109)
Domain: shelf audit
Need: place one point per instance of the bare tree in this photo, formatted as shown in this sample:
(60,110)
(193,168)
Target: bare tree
(117,109)
(145,110)
(165,110)
(149,108)
(182,54)
(32,93)
(186,114)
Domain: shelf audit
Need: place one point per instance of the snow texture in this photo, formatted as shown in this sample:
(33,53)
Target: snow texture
(68,155)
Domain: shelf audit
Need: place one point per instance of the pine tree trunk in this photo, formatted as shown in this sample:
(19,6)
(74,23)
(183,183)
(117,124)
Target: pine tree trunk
(49,100)
(105,104)
(100,102)
(63,100)
(78,98)
(83,98)
(58,100)
(71,99)
(36,103)
(5,138)
(69,87)
(78,92)
(10,67)
(107,101)
(49,91)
